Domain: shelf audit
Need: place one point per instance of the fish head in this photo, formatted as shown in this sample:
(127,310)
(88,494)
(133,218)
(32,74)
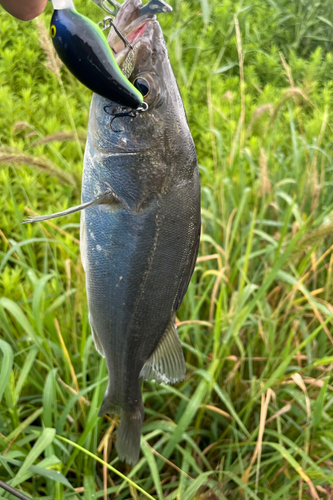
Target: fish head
(146,64)
(161,132)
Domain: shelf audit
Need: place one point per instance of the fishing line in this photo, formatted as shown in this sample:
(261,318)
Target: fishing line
(13,491)
(108,23)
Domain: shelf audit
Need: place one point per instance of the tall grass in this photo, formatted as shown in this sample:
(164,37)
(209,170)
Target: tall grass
(253,418)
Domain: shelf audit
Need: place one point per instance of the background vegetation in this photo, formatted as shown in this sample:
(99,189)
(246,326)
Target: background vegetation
(253,419)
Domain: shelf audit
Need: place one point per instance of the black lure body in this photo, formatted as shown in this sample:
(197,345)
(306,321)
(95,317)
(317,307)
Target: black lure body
(83,49)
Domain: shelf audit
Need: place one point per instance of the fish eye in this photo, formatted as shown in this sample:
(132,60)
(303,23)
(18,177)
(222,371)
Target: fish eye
(149,85)
(53,31)
(142,85)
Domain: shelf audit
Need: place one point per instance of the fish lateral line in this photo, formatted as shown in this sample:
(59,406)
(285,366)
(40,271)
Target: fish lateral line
(107,197)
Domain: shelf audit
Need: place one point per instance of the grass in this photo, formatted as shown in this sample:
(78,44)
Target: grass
(253,418)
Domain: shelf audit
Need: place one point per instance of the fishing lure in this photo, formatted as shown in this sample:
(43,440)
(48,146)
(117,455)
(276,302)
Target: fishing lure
(82,47)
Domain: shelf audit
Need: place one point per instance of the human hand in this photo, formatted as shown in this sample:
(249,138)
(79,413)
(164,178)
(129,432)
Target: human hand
(26,10)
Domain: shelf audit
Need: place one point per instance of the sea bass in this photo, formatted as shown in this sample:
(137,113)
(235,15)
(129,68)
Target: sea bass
(140,224)
(139,245)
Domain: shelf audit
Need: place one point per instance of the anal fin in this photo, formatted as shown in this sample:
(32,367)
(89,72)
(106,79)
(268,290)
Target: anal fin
(167,363)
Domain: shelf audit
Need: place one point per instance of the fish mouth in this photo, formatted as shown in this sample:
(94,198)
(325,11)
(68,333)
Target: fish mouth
(133,34)
(132,21)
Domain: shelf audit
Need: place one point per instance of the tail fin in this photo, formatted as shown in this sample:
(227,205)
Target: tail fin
(129,432)
(129,435)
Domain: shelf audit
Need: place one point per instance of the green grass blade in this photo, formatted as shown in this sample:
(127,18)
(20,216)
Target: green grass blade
(25,372)
(6,365)
(108,466)
(42,442)
(153,469)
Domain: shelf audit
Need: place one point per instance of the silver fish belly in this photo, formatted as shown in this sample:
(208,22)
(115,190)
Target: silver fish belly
(139,244)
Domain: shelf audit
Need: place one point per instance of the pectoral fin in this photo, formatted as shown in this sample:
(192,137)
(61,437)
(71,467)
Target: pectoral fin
(83,247)
(107,197)
(98,345)
(167,363)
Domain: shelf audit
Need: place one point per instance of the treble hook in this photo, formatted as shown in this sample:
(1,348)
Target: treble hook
(131,113)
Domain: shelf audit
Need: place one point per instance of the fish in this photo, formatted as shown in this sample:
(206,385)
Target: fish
(139,247)
(140,225)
